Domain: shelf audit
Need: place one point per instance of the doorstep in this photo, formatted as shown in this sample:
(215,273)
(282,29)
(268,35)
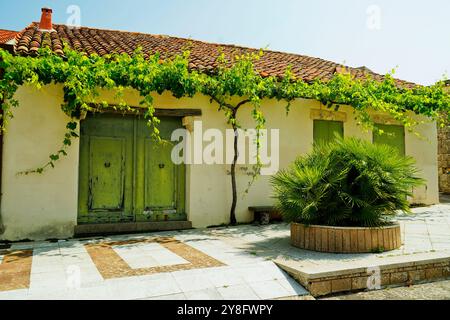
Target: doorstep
(129,227)
(369,274)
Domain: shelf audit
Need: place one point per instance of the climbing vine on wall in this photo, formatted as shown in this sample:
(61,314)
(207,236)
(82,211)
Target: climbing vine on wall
(233,84)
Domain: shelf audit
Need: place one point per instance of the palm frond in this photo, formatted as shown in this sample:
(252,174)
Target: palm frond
(346,183)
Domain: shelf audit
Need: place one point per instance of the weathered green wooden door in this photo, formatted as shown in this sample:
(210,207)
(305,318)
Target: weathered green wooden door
(393,136)
(324,130)
(124,175)
(106,170)
(160,183)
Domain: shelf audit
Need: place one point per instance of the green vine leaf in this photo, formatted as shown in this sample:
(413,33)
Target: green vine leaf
(83,76)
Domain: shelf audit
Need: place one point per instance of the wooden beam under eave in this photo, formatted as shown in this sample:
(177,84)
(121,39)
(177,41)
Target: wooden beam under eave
(159,112)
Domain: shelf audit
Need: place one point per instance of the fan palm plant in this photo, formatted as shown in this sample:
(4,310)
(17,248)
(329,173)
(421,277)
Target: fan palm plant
(349,182)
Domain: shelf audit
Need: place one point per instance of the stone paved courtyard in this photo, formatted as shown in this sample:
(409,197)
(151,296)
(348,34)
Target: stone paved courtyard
(221,263)
(167,265)
(425,231)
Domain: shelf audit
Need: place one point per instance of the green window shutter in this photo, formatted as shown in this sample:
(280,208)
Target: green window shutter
(324,130)
(393,136)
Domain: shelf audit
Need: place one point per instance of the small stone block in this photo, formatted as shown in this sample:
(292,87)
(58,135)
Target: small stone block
(340,285)
(399,277)
(320,288)
(446,272)
(433,273)
(385,279)
(416,275)
(359,283)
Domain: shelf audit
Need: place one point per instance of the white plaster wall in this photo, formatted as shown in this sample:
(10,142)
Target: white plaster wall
(38,206)
(425,149)
(42,206)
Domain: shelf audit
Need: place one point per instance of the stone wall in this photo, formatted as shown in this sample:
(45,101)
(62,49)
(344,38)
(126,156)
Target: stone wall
(444,159)
(397,272)
(444,156)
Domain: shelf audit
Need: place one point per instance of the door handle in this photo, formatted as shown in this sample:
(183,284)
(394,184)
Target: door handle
(162,165)
(107,164)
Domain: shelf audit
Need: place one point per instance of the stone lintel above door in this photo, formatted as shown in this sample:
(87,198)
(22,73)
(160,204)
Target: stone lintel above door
(159,112)
(188,122)
(384,119)
(321,114)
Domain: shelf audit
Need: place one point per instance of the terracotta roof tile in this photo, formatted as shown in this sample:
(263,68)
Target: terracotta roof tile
(203,54)
(6,35)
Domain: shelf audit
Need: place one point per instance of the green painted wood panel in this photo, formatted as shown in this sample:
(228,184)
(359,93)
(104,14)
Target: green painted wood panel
(106,176)
(125,175)
(324,130)
(393,136)
(160,183)
(99,145)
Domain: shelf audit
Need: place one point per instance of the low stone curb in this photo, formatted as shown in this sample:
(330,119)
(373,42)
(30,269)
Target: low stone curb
(417,269)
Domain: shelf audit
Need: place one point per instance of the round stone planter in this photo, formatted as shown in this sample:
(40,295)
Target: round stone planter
(345,239)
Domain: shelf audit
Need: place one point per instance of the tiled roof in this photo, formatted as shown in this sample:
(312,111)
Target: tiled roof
(6,35)
(203,54)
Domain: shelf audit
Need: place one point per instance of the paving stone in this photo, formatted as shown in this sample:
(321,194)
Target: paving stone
(162,286)
(193,282)
(175,296)
(224,277)
(21,294)
(292,286)
(205,294)
(238,292)
(254,273)
(134,289)
(269,289)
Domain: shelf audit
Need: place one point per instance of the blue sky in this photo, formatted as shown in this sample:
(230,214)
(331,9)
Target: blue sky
(413,35)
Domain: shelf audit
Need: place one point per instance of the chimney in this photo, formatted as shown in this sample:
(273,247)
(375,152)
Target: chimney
(46,20)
